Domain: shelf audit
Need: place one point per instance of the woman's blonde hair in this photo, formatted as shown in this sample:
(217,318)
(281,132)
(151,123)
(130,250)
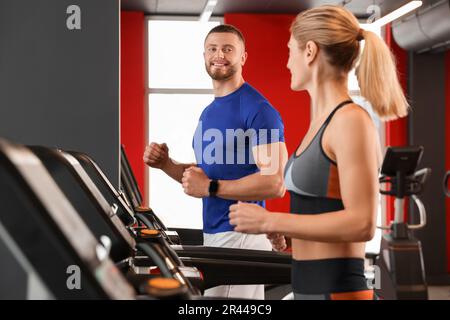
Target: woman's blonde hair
(336,31)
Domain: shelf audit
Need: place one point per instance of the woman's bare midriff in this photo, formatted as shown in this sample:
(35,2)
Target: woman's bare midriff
(312,250)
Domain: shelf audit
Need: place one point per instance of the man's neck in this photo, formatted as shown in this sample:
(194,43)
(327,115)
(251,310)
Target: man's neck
(224,88)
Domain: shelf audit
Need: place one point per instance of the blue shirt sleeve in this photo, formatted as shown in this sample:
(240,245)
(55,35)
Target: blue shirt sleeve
(266,125)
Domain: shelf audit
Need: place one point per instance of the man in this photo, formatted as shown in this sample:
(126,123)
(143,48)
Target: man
(239,148)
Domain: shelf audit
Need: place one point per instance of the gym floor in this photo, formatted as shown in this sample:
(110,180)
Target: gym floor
(439,292)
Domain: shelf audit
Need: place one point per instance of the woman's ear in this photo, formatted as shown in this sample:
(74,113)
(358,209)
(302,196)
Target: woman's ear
(311,51)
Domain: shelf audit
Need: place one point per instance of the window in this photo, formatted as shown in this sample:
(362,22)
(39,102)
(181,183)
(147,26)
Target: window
(179,90)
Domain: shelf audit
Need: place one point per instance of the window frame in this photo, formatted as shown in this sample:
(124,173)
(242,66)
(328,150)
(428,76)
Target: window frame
(159,90)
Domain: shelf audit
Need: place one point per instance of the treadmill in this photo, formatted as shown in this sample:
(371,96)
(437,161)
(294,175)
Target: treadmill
(134,198)
(186,242)
(101,218)
(108,216)
(43,239)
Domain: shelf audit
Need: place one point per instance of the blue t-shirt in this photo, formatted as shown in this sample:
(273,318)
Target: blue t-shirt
(227,131)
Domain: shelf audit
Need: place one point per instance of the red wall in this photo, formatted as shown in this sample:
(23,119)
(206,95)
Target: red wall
(447,148)
(133,114)
(266,39)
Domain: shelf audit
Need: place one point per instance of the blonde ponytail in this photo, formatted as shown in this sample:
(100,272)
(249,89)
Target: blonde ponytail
(336,31)
(378,80)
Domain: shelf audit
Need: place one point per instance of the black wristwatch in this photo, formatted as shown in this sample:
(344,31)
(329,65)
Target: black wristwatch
(213,188)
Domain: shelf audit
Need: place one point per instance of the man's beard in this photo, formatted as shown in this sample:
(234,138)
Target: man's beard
(219,74)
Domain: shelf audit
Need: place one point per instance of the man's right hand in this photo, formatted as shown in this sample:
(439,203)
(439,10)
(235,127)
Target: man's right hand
(156,155)
(278,241)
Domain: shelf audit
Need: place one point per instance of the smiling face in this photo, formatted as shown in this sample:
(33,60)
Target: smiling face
(224,55)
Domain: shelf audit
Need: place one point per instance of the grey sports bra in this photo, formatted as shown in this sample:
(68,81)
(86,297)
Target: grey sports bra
(312,178)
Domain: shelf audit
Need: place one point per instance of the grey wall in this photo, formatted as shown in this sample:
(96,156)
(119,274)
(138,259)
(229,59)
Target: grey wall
(13,278)
(60,87)
(427,128)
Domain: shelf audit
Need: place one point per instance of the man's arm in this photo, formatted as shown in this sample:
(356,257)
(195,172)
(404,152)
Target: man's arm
(157,156)
(265,184)
(270,158)
(175,169)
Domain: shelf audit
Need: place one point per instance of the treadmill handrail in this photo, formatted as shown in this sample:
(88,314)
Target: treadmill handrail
(232,254)
(102,176)
(90,185)
(126,168)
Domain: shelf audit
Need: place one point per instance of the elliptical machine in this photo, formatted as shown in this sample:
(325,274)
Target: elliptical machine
(400,262)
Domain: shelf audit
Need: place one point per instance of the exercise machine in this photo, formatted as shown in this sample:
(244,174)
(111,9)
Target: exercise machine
(43,240)
(101,208)
(130,191)
(400,262)
(218,265)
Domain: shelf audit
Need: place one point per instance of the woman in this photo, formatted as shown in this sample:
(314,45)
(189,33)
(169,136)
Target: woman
(333,175)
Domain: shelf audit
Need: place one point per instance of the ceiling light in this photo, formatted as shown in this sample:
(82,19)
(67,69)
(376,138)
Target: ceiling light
(208,10)
(410,6)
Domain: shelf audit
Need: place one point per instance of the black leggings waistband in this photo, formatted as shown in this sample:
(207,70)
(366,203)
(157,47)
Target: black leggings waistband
(328,276)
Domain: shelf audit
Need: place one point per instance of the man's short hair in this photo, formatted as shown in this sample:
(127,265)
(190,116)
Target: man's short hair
(227,28)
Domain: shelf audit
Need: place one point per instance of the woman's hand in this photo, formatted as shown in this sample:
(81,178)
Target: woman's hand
(278,241)
(249,218)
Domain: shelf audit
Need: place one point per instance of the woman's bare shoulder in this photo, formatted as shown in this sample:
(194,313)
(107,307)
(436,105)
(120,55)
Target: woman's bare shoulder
(353,117)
